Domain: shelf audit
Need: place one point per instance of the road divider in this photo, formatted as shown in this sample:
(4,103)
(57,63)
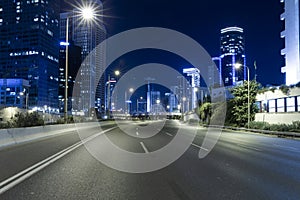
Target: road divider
(13,136)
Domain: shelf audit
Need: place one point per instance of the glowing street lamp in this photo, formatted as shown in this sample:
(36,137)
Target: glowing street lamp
(117,73)
(127,101)
(237,66)
(87,13)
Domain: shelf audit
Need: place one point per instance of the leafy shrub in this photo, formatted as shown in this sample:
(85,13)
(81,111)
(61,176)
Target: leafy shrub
(27,120)
(284,89)
(294,127)
(259,125)
(70,119)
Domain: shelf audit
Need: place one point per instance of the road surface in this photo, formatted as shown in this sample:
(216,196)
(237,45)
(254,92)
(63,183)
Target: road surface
(240,166)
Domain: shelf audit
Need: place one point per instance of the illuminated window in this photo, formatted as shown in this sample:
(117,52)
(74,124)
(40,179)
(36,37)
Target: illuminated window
(280,105)
(298,102)
(290,104)
(272,106)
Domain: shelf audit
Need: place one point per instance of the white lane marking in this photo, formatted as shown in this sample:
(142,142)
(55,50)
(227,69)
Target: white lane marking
(195,145)
(169,134)
(144,147)
(247,147)
(137,133)
(21,176)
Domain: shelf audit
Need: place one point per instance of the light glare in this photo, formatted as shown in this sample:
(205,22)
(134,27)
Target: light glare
(87,13)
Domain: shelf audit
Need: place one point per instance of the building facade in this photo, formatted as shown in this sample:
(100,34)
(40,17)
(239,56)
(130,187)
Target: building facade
(233,54)
(193,96)
(14,93)
(29,47)
(74,65)
(276,107)
(214,73)
(291,36)
(87,35)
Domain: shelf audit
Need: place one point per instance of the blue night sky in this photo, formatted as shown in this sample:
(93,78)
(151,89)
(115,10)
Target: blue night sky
(202,20)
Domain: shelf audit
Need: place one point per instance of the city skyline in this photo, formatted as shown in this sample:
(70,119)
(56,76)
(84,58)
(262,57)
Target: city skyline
(203,21)
(185,25)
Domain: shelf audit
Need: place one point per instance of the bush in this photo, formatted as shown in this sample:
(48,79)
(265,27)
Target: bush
(294,127)
(62,120)
(279,127)
(259,125)
(27,120)
(284,89)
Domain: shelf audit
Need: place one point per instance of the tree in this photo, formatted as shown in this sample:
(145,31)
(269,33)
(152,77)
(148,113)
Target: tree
(239,110)
(205,111)
(284,89)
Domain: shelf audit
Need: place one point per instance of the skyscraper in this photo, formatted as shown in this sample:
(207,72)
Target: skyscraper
(88,36)
(291,35)
(74,65)
(233,53)
(214,73)
(29,47)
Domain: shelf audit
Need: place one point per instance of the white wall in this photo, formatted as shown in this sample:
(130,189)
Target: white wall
(277,118)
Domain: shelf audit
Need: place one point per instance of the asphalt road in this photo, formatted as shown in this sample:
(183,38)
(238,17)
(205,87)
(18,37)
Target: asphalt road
(240,166)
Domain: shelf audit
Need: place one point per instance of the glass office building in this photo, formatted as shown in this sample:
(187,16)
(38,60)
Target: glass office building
(29,47)
(233,54)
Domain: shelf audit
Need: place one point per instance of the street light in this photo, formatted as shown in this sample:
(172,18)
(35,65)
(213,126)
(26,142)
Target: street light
(127,101)
(87,13)
(237,66)
(26,94)
(117,73)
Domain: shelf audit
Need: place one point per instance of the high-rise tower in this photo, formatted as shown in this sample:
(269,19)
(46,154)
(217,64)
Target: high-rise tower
(29,47)
(233,53)
(88,36)
(291,36)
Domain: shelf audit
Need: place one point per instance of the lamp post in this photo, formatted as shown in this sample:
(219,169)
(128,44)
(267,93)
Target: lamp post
(157,108)
(66,72)
(26,94)
(138,103)
(237,66)
(117,73)
(87,13)
(127,101)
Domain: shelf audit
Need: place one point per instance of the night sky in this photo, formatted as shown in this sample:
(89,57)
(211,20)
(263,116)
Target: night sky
(202,20)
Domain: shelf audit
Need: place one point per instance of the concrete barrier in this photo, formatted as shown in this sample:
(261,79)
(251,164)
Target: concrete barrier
(14,136)
(5,138)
